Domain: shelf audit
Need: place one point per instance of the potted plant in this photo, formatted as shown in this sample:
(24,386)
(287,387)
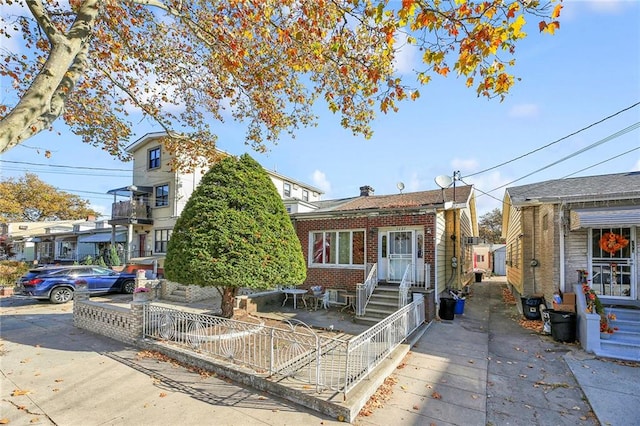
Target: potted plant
(114,259)
(141,294)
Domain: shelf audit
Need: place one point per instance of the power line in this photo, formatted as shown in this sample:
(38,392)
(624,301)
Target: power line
(65,167)
(593,145)
(564,177)
(555,142)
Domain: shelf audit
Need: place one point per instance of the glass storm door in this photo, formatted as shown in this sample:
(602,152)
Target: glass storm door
(400,254)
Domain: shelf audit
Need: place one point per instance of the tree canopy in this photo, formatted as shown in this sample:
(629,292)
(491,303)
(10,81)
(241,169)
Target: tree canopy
(28,199)
(490,227)
(235,232)
(188,64)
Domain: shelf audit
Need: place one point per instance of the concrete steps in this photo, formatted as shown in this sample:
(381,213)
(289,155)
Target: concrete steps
(178,295)
(625,342)
(382,303)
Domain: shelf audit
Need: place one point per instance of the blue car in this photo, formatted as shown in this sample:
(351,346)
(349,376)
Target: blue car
(57,283)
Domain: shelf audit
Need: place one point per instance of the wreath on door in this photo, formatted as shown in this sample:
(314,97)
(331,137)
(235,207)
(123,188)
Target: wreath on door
(612,242)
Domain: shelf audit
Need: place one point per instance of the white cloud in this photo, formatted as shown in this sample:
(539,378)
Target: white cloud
(524,110)
(486,198)
(406,56)
(320,180)
(464,166)
(608,6)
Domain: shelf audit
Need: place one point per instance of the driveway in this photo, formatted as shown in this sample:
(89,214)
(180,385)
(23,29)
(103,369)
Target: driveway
(56,374)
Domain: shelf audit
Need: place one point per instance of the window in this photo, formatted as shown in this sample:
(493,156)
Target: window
(287,189)
(162,239)
(337,248)
(479,257)
(162,195)
(154,158)
(305,195)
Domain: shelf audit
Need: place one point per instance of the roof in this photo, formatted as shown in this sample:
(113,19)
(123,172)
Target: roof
(433,199)
(588,188)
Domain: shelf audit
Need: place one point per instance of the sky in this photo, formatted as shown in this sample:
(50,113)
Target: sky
(571,114)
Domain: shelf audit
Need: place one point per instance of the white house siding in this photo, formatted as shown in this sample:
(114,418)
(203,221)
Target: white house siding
(576,245)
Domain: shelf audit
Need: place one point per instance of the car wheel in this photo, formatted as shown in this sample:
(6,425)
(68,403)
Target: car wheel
(128,286)
(61,295)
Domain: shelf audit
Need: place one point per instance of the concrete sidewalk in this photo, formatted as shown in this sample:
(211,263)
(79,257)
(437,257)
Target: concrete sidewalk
(482,368)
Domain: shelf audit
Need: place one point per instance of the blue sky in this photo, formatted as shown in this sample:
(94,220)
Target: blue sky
(588,71)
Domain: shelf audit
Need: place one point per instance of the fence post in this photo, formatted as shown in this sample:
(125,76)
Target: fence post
(138,310)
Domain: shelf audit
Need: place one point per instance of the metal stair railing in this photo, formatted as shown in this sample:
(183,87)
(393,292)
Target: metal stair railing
(365,290)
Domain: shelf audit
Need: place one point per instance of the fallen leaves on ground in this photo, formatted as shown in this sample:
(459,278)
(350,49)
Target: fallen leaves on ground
(508,297)
(436,395)
(20,392)
(164,358)
(382,395)
(533,325)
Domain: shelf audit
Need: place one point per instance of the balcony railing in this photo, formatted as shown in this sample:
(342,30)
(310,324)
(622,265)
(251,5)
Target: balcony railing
(131,212)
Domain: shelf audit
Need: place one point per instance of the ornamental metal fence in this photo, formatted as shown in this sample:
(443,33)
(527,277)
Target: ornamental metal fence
(292,349)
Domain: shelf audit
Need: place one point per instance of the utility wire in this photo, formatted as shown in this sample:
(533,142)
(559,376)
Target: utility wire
(66,167)
(593,145)
(554,142)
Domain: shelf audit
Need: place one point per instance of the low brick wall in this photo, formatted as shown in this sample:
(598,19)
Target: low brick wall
(117,322)
(258,301)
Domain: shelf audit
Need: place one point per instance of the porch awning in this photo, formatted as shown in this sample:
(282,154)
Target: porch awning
(609,217)
(103,237)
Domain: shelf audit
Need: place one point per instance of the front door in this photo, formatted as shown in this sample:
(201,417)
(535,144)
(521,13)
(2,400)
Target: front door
(400,254)
(612,263)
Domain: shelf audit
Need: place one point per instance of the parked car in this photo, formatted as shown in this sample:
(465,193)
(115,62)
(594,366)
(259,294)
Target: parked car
(57,283)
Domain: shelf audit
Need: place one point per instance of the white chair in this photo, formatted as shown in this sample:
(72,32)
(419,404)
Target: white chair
(325,300)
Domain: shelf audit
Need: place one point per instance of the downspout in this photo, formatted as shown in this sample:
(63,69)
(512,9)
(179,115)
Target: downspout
(561,244)
(533,245)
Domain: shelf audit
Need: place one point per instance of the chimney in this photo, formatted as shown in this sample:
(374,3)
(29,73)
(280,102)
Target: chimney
(366,190)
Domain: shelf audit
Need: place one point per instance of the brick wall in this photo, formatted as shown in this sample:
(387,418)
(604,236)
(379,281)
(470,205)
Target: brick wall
(346,277)
(119,323)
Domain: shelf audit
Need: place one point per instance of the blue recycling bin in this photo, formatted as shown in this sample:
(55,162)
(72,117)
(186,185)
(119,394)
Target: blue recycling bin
(459,309)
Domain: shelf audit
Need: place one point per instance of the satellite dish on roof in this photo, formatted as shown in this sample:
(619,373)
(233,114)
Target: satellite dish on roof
(400,186)
(444,181)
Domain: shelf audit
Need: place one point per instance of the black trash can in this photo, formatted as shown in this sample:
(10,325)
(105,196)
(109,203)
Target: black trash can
(531,306)
(563,326)
(447,308)
(478,277)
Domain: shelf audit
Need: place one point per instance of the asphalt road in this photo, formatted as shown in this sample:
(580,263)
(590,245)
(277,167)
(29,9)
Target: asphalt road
(53,373)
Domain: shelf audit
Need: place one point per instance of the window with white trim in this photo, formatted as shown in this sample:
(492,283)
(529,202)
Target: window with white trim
(305,195)
(337,247)
(286,190)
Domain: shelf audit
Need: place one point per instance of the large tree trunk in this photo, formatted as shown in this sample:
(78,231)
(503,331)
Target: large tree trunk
(228,301)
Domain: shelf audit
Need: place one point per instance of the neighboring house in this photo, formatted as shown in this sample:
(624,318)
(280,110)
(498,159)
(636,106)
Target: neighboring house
(146,211)
(342,239)
(23,236)
(500,260)
(62,241)
(489,258)
(555,228)
(482,259)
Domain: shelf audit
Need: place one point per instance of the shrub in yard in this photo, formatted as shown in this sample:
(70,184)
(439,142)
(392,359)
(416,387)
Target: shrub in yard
(235,232)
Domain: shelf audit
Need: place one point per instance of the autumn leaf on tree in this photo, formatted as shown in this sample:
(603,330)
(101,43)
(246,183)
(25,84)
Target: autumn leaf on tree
(189,67)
